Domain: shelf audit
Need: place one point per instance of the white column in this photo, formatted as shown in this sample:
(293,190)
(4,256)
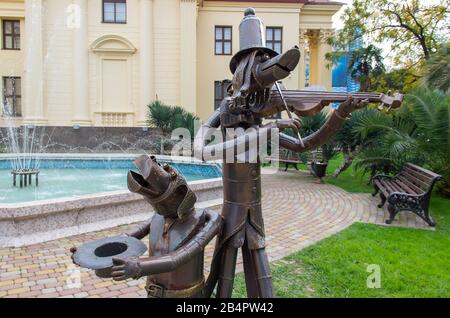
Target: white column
(34,64)
(188,55)
(314,57)
(146,60)
(81,112)
(302,63)
(324,72)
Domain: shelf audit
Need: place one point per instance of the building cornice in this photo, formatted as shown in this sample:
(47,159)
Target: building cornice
(12,8)
(230,6)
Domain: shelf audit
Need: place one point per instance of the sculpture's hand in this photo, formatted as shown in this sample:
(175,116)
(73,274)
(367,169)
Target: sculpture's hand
(293,124)
(361,103)
(123,269)
(73,250)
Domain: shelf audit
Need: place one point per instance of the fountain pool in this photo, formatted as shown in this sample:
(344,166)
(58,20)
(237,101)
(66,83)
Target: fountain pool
(63,176)
(80,193)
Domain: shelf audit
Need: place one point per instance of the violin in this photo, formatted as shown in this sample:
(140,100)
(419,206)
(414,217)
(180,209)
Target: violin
(308,102)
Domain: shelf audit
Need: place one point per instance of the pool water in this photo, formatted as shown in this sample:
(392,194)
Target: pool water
(66,183)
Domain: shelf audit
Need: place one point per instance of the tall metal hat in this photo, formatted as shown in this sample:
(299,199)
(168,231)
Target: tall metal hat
(251,37)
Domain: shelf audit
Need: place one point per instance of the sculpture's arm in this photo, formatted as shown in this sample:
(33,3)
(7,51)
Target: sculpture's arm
(141,231)
(203,151)
(136,268)
(332,125)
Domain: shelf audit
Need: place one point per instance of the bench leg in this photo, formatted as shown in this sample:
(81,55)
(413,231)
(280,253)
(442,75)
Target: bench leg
(427,218)
(375,192)
(392,213)
(296,166)
(424,215)
(287,166)
(383,201)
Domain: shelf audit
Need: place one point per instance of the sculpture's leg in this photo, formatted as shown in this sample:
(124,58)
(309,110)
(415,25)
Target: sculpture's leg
(250,275)
(263,275)
(227,271)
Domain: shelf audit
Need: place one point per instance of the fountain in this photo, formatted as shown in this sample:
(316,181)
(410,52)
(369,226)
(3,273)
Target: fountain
(22,142)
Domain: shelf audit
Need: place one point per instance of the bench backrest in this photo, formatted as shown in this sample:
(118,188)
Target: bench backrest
(288,155)
(418,179)
(315,155)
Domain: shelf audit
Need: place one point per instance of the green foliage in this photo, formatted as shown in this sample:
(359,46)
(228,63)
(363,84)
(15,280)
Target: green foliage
(414,28)
(312,124)
(419,133)
(169,118)
(437,70)
(400,80)
(351,180)
(346,138)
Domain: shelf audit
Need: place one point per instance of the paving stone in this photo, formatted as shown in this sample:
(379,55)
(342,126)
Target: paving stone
(298,212)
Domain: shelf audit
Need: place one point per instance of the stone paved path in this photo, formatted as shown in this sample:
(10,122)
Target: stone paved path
(298,212)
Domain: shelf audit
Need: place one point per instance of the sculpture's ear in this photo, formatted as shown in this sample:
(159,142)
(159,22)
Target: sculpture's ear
(140,163)
(188,202)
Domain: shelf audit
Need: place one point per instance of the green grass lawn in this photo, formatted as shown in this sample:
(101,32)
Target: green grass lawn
(350,180)
(413,263)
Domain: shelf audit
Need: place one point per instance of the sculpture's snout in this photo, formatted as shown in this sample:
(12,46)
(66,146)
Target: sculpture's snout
(152,176)
(277,68)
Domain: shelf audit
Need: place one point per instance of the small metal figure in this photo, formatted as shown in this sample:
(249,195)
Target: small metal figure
(178,234)
(253,96)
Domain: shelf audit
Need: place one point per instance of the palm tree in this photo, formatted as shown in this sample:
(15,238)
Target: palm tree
(437,70)
(364,63)
(312,124)
(419,133)
(350,143)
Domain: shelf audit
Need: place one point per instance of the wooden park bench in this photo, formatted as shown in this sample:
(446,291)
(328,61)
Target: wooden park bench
(410,190)
(287,158)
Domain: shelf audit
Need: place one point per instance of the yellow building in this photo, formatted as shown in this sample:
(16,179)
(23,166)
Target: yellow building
(101,62)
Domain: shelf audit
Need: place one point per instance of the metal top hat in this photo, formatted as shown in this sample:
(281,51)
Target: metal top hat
(251,37)
(99,254)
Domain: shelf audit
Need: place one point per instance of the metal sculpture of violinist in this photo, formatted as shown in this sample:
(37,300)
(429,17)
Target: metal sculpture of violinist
(178,232)
(255,94)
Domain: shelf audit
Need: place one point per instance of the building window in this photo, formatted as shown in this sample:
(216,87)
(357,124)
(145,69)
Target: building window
(223,39)
(11,34)
(114,11)
(220,92)
(274,39)
(12,96)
